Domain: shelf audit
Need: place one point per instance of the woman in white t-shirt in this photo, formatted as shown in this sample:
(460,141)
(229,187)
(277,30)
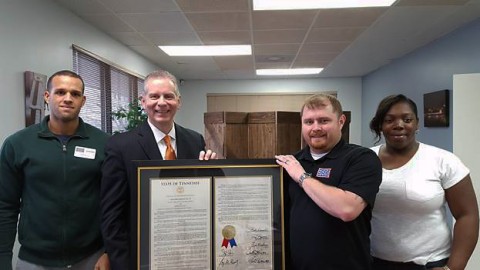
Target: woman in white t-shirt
(410,228)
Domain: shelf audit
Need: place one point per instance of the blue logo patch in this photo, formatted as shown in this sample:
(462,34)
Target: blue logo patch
(324,172)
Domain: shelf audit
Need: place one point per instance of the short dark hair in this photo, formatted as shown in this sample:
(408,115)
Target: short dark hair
(320,101)
(382,110)
(65,72)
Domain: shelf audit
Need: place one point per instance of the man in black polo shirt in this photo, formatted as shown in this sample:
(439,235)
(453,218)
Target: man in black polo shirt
(331,191)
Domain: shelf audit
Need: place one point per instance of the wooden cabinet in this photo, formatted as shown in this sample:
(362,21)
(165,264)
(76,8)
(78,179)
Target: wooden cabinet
(240,135)
(273,133)
(236,135)
(226,133)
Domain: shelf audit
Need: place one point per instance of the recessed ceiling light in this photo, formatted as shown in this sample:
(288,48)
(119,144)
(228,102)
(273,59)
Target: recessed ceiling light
(318,4)
(288,71)
(207,50)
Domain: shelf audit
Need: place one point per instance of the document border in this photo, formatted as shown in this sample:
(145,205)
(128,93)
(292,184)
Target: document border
(195,168)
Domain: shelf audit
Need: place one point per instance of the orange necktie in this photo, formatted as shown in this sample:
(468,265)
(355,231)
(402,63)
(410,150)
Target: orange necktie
(170,153)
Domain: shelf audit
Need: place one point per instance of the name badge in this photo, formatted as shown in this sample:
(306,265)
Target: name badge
(84,152)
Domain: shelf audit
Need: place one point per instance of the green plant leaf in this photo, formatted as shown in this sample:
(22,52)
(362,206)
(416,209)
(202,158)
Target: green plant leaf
(134,115)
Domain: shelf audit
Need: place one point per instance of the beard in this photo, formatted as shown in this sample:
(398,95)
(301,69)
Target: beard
(320,147)
(321,143)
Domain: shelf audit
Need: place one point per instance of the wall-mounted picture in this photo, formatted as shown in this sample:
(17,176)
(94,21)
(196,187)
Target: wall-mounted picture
(436,109)
(35,85)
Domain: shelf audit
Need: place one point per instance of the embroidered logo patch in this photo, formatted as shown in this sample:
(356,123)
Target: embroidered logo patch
(324,172)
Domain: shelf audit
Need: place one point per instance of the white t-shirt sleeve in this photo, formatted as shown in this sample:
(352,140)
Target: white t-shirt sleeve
(452,169)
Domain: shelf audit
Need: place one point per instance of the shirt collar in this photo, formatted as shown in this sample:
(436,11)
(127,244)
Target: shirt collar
(305,152)
(45,131)
(158,134)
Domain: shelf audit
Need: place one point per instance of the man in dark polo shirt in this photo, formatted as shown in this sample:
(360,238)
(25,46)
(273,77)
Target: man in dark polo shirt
(331,191)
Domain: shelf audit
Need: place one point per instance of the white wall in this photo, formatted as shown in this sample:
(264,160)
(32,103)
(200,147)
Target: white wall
(36,35)
(194,100)
(465,134)
(424,70)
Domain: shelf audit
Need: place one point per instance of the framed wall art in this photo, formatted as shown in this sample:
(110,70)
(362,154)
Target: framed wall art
(436,109)
(35,86)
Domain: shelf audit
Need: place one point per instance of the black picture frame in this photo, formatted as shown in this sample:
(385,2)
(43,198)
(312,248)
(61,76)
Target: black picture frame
(436,109)
(160,170)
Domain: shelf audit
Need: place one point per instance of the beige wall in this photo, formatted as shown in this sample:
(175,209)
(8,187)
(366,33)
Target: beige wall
(257,102)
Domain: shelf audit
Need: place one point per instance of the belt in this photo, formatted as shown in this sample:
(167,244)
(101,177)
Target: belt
(439,263)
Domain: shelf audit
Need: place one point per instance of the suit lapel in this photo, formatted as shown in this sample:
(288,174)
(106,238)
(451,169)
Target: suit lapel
(181,143)
(148,143)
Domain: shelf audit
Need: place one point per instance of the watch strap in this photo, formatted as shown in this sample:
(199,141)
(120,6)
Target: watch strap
(302,178)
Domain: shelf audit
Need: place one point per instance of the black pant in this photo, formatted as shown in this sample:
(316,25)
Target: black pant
(379,264)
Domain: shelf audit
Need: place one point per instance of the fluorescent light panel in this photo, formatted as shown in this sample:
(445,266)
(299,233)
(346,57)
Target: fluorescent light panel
(317,4)
(288,71)
(207,50)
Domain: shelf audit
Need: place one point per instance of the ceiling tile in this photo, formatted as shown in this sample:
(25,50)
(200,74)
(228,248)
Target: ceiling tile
(316,57)
(276,49)
(274,58)
(292,19)
(262,65)
(278,36)
(324,47)
(244,62)
(225,38)
(219,21)
(156,55)
(158,22)
(173,38)
(334,34)
(212,5)
(348,17)
(310,64)
(240,74)
(364,39)
(196,62)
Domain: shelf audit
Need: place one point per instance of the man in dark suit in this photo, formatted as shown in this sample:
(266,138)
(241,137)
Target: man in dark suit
(158,138)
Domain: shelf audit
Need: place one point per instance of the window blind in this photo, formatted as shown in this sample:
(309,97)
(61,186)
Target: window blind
(108,88)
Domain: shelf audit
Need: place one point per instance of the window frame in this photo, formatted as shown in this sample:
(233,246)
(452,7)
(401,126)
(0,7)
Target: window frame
(102,78)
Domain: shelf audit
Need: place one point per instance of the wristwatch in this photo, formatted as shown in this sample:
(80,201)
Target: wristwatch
(302,178)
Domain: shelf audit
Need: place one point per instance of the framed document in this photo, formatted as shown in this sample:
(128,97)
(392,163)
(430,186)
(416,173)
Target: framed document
(216,214)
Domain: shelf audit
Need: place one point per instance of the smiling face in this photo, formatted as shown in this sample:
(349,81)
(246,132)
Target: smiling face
(321,128)
(65,98)
(399,126)
(161,103)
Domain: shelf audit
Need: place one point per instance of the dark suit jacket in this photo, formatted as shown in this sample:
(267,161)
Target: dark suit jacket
(119,186)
